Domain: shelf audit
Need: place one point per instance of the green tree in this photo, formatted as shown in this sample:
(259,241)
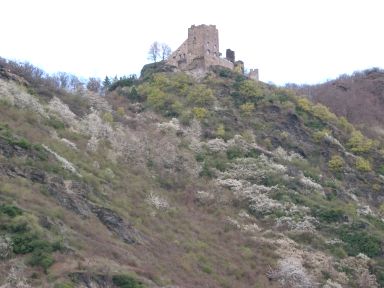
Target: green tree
(107,82)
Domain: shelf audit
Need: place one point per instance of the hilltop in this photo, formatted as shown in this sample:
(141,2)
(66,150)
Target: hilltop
(169,181)
(358,97)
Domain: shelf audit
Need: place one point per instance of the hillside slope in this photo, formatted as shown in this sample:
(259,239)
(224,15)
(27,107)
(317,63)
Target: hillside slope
(359,98)
(171,182)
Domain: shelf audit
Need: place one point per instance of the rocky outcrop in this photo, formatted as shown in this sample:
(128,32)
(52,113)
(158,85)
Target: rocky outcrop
(72,195)
(117,225)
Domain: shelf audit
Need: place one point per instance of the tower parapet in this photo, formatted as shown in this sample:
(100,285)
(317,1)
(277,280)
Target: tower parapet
(254,74)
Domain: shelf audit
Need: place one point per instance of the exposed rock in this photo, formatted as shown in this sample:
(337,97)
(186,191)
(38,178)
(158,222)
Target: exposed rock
(70,195)
(117,225)
(88,280)
(10,150)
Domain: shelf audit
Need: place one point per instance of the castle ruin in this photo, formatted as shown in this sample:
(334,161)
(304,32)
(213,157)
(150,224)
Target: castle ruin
(201,51)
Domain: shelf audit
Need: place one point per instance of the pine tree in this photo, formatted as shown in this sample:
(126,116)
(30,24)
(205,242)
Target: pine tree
(106,82)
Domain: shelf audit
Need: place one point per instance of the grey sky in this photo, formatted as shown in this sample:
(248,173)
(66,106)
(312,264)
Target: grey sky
(301,41)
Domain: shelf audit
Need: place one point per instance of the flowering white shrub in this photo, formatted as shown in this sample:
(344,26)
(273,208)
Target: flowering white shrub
(239,142)
(97,102)
(331,284)
(254,169)
(307,224)
(232,184)
(57,107)
(359,265)
(244,214)
(64,162)
(262,204)
(216,145)
(92,144)
(252,228)
(333,241)
(233,222)
(5,247)
(280,153)
(93,125)
(330,139)
(291,273)
(365,210)
(17,96)
(68,143)
(157,202)
(204,196)
(15,278)
(309,183)
(174,124)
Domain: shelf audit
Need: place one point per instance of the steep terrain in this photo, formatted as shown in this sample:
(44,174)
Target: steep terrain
(359,98)
(167,181)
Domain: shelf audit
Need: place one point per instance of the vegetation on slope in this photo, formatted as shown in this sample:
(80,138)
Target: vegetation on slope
(358,97)
(166,180)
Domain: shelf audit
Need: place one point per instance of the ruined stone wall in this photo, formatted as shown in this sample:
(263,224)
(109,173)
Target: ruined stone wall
(200,50)
(254,74)
(203,40)
(180,56)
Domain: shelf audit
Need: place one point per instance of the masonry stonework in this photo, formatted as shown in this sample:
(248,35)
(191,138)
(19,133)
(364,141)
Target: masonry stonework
(201,51)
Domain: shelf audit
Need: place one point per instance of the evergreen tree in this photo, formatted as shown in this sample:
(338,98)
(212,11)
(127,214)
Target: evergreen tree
(106,82)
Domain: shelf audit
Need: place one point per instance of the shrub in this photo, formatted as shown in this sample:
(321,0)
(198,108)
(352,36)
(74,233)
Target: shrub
(220,131)
(360,242)
(200,95)
(304,104)
(358,143)
(120,111)
(337,251)
(126,281)
(381,170)
(10,210)
(200,113)
(323,112)
(250,90)
(328,215)
(41,258)
(234,152)
(363,165)
(343,122)
(336,163)
(55,123)
(23,243)
(107,117)
(247,108)
(320,135)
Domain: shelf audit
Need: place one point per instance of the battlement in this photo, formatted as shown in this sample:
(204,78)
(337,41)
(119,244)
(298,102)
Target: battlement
(254,74)
(201,51)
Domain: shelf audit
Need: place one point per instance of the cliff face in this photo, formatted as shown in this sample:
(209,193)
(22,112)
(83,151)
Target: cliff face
(171,182)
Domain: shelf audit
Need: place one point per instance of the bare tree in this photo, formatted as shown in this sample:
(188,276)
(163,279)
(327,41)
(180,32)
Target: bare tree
(94,84)
(154,51)
(75,83)
(165,51)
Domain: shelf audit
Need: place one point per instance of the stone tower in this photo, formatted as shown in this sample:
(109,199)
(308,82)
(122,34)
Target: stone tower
(203,40)
(199,51)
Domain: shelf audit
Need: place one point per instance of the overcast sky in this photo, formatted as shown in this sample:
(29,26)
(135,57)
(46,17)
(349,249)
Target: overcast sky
(296,41)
